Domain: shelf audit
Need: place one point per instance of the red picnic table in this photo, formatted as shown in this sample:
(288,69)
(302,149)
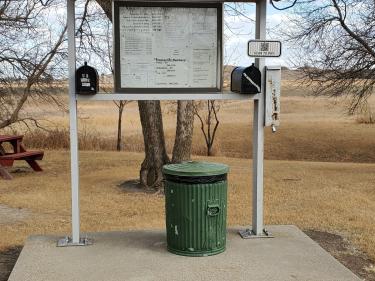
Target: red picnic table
(18,153)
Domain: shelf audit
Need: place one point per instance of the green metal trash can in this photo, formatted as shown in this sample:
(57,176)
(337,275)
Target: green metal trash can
(196,208)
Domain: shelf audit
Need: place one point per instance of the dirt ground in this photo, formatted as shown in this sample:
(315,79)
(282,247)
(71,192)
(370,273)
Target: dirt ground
(339,247)
(8,258)
(11,215)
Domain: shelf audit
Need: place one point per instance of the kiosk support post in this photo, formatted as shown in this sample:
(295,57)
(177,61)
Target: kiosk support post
(73,122)
(258,130)
(75,240)
(257,228)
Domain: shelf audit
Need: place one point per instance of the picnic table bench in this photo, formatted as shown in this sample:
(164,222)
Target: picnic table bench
(18,153)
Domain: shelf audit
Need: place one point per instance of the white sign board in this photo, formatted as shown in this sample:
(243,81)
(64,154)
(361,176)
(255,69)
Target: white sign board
(168,47)
(264,48)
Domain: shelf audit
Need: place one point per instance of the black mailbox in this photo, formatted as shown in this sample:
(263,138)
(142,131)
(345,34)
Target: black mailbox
(87,80)
(246,80)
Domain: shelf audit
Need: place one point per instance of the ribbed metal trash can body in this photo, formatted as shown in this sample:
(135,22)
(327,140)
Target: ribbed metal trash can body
(196,208)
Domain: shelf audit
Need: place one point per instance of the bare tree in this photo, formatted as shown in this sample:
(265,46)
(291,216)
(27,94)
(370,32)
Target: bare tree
(29,59)
(96,44)
(155,149)
(336,39)
(184,131)
(209,121)
(120,106)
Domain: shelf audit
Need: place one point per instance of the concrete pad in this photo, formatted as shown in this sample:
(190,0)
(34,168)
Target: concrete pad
(142,255)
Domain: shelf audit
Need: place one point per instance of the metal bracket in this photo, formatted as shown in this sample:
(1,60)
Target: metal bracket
(250,234)
(68,242)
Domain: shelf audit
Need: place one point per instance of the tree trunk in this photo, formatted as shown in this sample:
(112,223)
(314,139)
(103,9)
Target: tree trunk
(119,126)
(184,131)
(107,7)
(153,135)
(209,150)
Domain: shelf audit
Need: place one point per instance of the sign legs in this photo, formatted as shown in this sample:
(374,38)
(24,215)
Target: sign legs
(75,240)
(257,228)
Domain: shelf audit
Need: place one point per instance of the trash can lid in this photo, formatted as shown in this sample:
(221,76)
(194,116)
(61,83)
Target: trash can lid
(195,168)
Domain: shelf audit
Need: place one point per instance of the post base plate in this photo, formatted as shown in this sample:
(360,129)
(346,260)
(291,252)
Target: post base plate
(68,242)
(250,234)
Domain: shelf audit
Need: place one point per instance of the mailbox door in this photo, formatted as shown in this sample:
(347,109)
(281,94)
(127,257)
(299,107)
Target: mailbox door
(87,80)
(251,80)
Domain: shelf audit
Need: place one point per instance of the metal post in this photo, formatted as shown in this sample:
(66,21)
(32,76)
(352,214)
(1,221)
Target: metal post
(73,122)
(258,129)
(75,239)
(258,135)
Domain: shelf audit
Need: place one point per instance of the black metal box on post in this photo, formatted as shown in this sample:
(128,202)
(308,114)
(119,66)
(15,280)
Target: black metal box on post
(87,80)
(246,80)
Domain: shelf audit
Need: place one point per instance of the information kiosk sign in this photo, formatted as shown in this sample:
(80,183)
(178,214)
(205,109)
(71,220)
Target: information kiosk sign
(138,29)
(164,46)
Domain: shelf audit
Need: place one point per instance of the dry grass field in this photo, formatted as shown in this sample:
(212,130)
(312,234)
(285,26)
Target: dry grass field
(334,197)
(319,173)
(312,129)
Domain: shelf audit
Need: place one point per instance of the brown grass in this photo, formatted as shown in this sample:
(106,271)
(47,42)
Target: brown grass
(366,115)
(312,129)
(337,197)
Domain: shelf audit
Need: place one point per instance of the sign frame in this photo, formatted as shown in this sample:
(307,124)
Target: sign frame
(116,46)
(264,41)
(256,229)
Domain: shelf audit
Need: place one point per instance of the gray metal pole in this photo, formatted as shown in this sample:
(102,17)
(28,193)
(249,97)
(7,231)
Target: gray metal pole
(258,128)
(73,121)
